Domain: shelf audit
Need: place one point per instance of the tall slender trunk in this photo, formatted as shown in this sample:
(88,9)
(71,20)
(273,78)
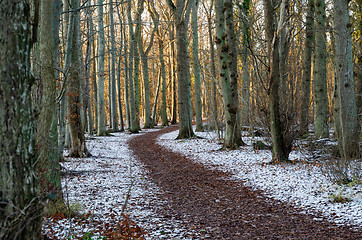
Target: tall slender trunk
(78,147)
(280,149)
(320,77)
(308,46)
(213,69)
(346,109)
(245,62)
(226,43)
(48,167)
(144,57)
(183,69)
(196,65)
(101,128)
(88,64)
(134,128)
(359,70)
(68,22)
(173,72)
(119,87)
(113,97)
(136,72)
(163,74)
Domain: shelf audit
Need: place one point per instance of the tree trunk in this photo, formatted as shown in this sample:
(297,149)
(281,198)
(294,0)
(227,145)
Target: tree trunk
(136,66)
(163,74)
(174,80)
(63,125)
(232,133)
(156,98)
(113,97)
(196,65)
(213,70)
(308,46)
(346,113)
(320,78)
(20,211)
(245,62)
(183,70)
(280,149)
(225,40)
(101,128)
(144,57)
(88,64)
(359,70)
(78,147)
(121,123)
(133,128)
(94,75)
(48,167)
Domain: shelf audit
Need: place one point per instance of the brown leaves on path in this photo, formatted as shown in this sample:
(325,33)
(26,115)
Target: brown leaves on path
(220,208)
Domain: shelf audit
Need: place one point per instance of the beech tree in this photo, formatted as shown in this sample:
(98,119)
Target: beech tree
(48,167)
(20,211)
(320,77)
(346,118)
(144,58)
(181,18)
(281,147)
(133,127)
(246,41)
(308,46)
(196,65)
(227,51)
(113,97)
(101,127)
(78,146)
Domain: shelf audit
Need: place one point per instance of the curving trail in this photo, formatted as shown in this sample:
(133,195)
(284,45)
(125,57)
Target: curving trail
(220,208)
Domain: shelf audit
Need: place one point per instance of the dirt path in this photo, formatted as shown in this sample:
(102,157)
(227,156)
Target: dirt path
(220,208)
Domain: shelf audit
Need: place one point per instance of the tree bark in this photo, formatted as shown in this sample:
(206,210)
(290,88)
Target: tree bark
(245,62)
(214,108)
(101,128)
(113,97)
(119,92)
(133,128)
(307,68)
(144,57)
(88,63)
(280,149)
(163,75)
(174,80)
(48,167)
(226,43)
(346,109)
(78,147)
(320,77)
(182,14)
(20,211)
(196,65)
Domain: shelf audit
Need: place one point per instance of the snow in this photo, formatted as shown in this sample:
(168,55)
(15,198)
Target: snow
(100,185)
(302,184)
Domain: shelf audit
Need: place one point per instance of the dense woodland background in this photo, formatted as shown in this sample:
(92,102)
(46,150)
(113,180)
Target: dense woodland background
(285,69)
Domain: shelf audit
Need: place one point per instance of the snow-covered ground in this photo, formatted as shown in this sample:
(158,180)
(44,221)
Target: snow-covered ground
(100,185)
(302,184)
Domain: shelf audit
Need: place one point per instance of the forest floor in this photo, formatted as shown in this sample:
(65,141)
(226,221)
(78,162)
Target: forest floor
(153,186)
